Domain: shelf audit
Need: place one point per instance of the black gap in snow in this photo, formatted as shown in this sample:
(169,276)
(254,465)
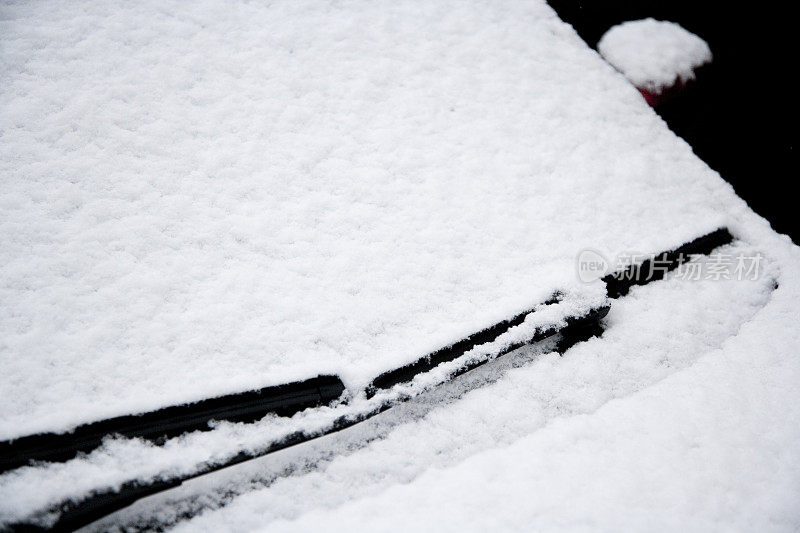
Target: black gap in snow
(619,283)
(449,353)
(429,362)
(157,426)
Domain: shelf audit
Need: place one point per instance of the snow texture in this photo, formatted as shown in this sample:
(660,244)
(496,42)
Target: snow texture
(654,54)
(122,460)
(683,415)
(202,199)
(712,447)
(208,198)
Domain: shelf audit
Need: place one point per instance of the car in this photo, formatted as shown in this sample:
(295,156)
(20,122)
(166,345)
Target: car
(373,265)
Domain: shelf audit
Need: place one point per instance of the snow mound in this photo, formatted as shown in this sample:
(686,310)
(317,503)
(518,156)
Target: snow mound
(654,54)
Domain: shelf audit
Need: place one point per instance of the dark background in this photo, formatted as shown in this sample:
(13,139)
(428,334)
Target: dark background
(739,114)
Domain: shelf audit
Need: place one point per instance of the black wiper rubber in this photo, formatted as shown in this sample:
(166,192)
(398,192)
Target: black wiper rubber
(449,353)
(619,283)
(408,372)
(283,400)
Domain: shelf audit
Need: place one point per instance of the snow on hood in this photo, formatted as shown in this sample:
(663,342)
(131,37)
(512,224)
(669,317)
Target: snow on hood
(208,198)
(654,54)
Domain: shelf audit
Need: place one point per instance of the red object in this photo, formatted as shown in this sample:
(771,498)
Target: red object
(651,98)
(656,98)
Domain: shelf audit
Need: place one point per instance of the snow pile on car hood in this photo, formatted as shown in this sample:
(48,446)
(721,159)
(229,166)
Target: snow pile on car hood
(654,54)
(204,199)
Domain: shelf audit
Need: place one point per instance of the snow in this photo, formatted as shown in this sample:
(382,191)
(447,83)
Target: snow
(654,54)
(684,414)
(27,491)
(201,200)
(710,450)
(713,448)
(204,199)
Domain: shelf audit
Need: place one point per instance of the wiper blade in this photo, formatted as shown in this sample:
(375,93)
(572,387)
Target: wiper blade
(157,426)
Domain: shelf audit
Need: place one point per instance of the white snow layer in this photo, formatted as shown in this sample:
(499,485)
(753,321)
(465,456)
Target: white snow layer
(654,54)
(121,460)
(683,416)
(207,198)
(201,199)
